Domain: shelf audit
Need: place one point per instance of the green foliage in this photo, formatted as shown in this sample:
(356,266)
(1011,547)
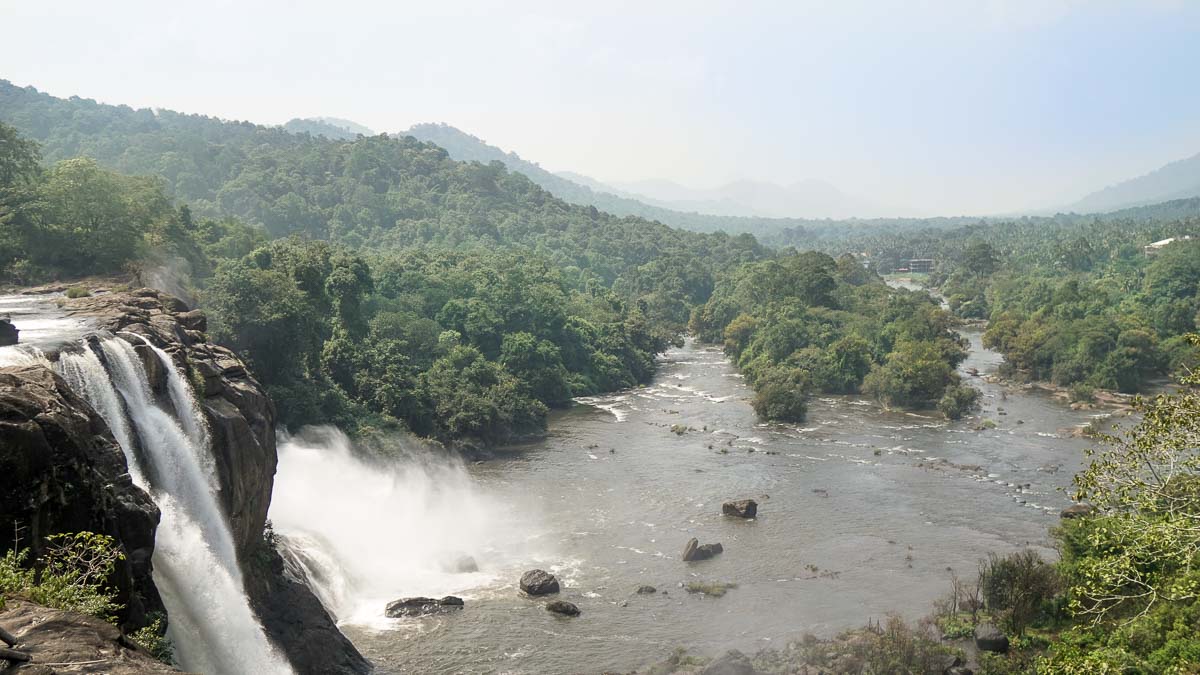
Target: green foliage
(958,400)
(78,292)
(72,574)
(806,322)
(153,638)
(1016,588)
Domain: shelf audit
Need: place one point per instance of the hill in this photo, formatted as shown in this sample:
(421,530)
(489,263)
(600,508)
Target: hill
(329,127)
(1177,180)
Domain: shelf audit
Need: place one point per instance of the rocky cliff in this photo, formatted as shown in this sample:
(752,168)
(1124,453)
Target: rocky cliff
(63,472)
(241,421)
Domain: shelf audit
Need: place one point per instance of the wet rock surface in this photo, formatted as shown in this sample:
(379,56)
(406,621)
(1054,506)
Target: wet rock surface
(563,607)
(695,551)
(241,421)
(409,607)
(63,472)
(740,508)
(539,582)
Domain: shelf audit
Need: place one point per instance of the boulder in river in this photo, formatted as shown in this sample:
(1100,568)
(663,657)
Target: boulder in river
(1077,511)
(8,333)
(646,590)
(988,638)
(539,582)
(694,550)
(741,508)
(407,607)
(732,662)
(563,607)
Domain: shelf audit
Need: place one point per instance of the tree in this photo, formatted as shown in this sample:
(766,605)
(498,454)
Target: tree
(1145,546)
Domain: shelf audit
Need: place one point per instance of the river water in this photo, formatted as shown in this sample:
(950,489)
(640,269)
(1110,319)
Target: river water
(862,512)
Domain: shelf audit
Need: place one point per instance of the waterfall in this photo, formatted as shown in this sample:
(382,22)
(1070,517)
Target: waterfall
(365,528)
(211,625)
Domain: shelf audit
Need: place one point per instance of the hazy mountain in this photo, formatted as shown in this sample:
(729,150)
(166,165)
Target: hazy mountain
(805,199)
(1177,180)
(333,128)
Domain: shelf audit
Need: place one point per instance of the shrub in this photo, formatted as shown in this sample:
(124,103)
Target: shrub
(958,400)
(78,292)
(1015,588)
(73,574)
(153,638)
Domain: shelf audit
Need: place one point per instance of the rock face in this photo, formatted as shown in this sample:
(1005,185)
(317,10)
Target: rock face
(241,422)
(694,550)
(988,638)
(732,662)
(539,582)
(63,472)
(52,636)
(563,607)
(406,607)
(740,508)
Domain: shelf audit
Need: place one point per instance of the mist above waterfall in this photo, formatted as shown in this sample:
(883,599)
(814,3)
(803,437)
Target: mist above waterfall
(396,518)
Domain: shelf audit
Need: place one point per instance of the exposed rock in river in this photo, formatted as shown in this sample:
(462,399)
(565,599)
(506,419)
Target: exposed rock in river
(407,607)
(8,333)
(694,550)
(539,582)
(563,607)
(741,508)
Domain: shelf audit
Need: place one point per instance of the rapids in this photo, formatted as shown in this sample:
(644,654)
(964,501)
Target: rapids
(862,512)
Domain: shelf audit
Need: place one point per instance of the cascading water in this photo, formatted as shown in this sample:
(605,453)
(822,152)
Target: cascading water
(367,530)
(212,626)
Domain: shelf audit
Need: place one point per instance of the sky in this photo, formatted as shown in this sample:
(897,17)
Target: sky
(936,107)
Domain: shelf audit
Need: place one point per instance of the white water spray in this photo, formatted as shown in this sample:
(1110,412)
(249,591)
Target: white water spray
(196,571)
(368,530)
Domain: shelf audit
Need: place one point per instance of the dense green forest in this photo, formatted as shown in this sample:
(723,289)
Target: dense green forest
(808,323)
(1075,301)
(463,343)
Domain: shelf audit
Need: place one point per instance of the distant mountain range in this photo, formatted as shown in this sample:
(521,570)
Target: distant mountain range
(1177,180)
(748,206)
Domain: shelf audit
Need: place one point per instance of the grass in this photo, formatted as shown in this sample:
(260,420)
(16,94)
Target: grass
(78,292)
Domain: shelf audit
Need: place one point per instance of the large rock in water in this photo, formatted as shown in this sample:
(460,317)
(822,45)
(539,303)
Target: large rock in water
(407,607)
(741,508)
(989,638)
(563,607)
(694,550)
(8,333)
(241,421)
(539,582)
(62,471)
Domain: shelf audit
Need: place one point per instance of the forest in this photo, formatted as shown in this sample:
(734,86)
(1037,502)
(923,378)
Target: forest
(330,262)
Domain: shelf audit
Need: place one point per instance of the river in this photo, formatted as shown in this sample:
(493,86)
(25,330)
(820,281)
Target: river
(862,512)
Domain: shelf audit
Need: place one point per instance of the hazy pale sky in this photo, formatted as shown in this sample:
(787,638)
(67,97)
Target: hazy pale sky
(946,107)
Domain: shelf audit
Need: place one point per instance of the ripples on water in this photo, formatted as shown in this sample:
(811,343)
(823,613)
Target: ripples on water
(862,513)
